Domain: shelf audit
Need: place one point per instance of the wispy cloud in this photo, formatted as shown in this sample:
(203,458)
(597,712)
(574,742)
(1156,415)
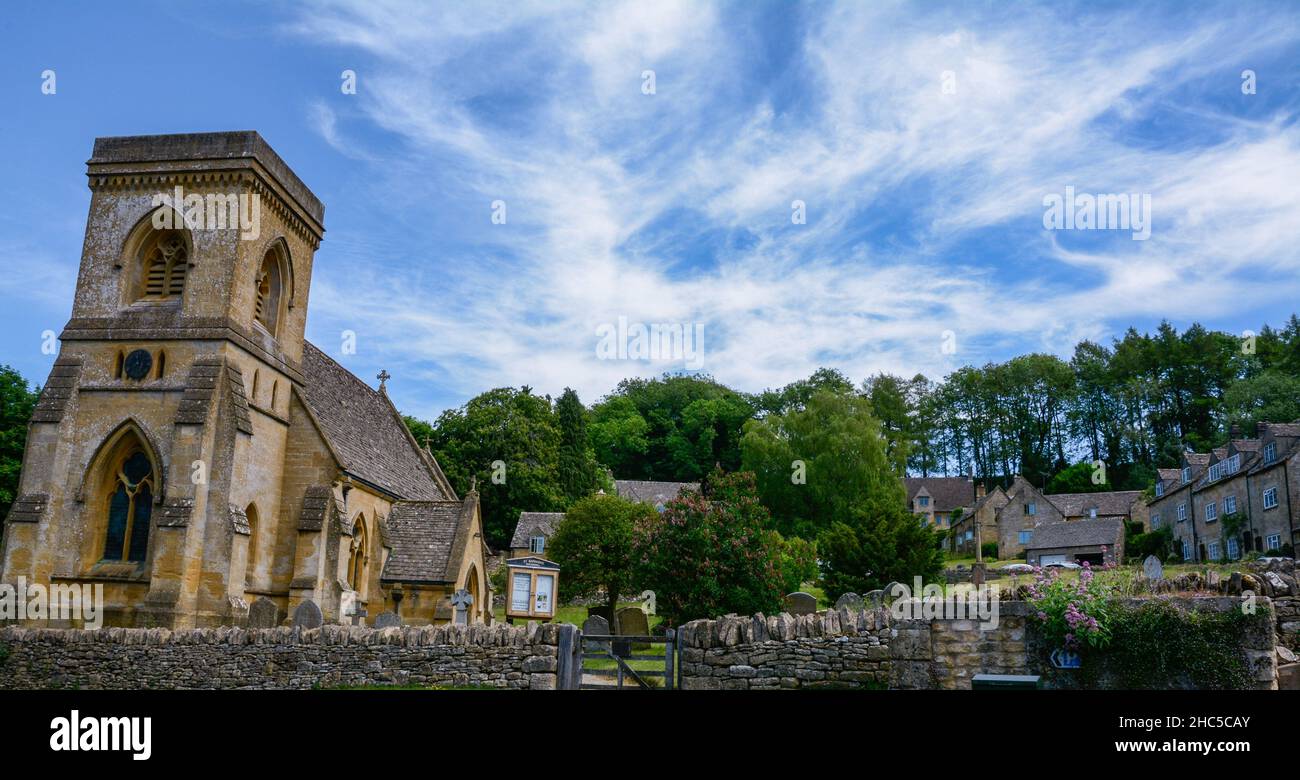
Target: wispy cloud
(924,208)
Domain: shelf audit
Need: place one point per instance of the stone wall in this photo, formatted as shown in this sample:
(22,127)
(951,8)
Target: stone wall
(536,657)
(874,649)
(833,649)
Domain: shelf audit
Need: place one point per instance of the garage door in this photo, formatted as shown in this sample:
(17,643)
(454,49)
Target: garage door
(1046,559)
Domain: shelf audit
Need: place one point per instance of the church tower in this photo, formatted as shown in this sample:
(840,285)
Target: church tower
(155,458)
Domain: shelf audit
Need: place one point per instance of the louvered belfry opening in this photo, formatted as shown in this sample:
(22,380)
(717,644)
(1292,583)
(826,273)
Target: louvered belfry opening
(266,310)
(166,259)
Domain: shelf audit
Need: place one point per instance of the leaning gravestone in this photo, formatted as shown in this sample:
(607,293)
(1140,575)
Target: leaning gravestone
(800,603)
(1152,568)
(308,615)
(263,614)
(388,620)
(632,621)
(850,600)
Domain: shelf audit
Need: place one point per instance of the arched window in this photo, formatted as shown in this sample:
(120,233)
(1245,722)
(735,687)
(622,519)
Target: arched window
(270,284)
(164,259)
(129,504)
(359,554)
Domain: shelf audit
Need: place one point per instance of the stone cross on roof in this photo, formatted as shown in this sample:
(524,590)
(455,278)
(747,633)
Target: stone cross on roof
(383,376)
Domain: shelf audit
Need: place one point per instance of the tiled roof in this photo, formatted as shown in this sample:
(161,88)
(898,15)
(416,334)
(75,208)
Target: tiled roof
(1282,429)
(364,430)
(651,492)
(1108,504)
(1078,533)
(947,493)
(996,494)
(422,535)
(535,524)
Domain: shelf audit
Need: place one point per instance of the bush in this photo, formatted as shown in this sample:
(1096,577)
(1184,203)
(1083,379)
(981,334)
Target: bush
(871,550)
(708,555)
(989,550)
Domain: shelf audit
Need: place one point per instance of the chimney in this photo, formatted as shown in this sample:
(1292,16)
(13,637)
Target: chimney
(1234,432)
(979,490)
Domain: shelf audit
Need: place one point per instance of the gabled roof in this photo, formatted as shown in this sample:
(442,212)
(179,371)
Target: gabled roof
(1088,533)
(535,524)
(1110,503)
(996,495)
(652,493)
(366,433)
(948,493)
(423,535)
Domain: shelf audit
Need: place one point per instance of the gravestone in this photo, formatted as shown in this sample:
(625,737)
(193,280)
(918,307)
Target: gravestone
(875,599)
(307,615)
(800,603)
(850,600)
(595,625)
(1152,568)
(388,620)
(263,614)
(632,621)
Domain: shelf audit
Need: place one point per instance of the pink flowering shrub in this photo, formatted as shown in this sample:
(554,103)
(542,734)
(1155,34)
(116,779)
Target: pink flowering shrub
(1073,614)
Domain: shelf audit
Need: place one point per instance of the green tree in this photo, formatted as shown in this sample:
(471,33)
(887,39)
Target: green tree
(816,465)
(17,401)
(580,474)
(871,549)
(1076,479)
(508,442)
(711,553)
(593,546)
(1269,396)
(675,428)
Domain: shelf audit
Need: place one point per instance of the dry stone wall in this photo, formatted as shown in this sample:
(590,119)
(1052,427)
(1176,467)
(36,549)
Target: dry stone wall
(500,656)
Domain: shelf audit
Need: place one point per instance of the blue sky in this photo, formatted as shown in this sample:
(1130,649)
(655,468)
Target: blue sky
(922,139)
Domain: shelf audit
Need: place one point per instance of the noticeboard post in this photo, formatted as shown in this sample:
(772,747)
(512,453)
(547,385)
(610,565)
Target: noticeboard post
(533,587)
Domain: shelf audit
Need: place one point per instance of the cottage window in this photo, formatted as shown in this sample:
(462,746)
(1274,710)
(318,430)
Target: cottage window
(1031,508)
(1270,451)
(1025,536)
(1229,505)
(1233,548)
(1187,551)
(1214,551)
(1155,521)
(1182,512)
(537,545)
(1211,512)
(1187,474)
(1273,542)
(924,500)
(1160,489)
(1270,498)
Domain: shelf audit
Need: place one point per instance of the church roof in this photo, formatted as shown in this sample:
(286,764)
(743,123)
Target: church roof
(423,535)
(366,433)
(535,524)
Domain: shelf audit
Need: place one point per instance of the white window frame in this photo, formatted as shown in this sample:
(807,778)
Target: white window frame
(1273,542)
(537,544)
(1270,452)
(1211,512)
(1187,550)
(1160,489)
(1212,551)
(1233,548)
(1182,512)
(1155,521)
(1187,474)
(1270,497)
(1229,505)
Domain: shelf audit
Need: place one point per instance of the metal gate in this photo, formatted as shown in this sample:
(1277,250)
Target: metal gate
(599,650)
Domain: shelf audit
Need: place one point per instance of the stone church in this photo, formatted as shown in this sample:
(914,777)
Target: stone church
(191,451)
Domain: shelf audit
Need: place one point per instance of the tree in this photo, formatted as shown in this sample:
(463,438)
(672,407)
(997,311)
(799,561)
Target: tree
(872,549)
(816,465)
(580,474)
(1270,396)
(508,442)
(711,553)
(1076,479)
(675,428)
(593,545)
(17,402)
